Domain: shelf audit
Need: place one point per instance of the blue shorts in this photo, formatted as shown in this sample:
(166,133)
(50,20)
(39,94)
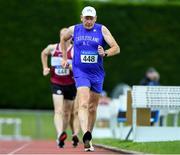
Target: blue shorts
(94,85)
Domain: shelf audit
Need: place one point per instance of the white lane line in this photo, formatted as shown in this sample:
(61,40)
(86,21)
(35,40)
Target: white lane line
(18,149)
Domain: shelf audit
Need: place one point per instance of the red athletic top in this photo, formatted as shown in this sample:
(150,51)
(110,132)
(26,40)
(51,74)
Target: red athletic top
(60,75)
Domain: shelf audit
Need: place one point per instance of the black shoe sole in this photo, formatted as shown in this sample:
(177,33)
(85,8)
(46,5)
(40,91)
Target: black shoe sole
(61,144)
(87,136)
(87,144)
(86,139)
(75,141)
(62,138)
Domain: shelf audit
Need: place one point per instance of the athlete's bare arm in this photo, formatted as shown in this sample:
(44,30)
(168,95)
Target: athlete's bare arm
(64,38)
(44,58)
(114,48)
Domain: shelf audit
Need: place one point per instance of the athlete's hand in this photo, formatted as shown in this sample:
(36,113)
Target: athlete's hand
(64,63)
(46,71)
(101,50)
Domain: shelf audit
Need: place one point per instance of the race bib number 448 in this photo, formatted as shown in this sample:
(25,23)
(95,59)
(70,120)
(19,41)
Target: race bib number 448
(89,58)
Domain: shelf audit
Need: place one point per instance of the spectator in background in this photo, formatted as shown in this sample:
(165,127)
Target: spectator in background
(152,79)
(104,99)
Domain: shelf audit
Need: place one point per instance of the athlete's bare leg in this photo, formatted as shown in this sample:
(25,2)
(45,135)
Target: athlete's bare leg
(88,102)
(58,113)
(71,121)
(75,123)
(83,94)
(68,105)
(94,98)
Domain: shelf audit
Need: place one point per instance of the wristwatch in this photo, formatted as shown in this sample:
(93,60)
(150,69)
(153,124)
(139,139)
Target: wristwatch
(105,54)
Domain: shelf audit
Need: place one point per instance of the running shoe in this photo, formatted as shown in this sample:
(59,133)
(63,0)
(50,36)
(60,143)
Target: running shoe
(87,142)
(90,149)
(61,139)
(75,141)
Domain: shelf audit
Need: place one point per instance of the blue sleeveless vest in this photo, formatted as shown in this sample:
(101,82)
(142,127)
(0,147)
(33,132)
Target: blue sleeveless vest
(86,60)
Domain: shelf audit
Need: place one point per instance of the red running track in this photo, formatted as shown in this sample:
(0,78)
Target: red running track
(45,147)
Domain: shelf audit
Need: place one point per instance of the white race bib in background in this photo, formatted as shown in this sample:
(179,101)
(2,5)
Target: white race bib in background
(62,71)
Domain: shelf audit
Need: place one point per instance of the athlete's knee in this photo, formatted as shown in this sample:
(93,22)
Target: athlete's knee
(58,112)
(92,108)
(75,112)
(83,106)
(65,115)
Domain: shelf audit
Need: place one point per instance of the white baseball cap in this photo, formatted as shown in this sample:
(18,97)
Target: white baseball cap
(89,11)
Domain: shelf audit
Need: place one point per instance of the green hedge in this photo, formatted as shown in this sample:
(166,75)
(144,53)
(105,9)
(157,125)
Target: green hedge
(28,26)
(147,35)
